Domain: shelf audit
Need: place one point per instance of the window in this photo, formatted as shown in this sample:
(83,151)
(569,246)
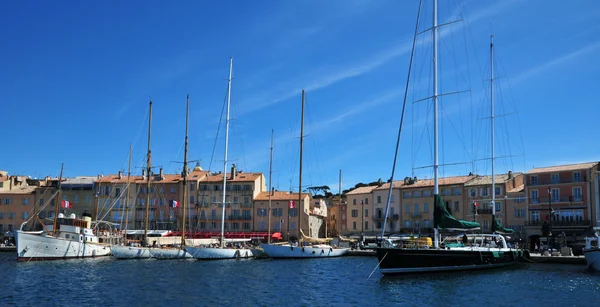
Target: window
(366,212)
(407,208)
(235,199)
(26,201)
(246,226)
(555,178)
(416,208)
(498,206)
(11,215)
(555,194)
(498,190)
(535,216)
(379,213)
(577,194)
(379,199)
(8,201)
(445,191)
(41,201)
(576,176)
(367,225)
(426,208)
(456,191)
(366,201)
(378,225)
(276,212)
(486,225)
(406,194)
(1,215)
(392,199)
(456,206)
(473,192)
(427,193)
(213,199)
(192,186)
(533,180)
(87,199)
(522,213)
(261,212)
(216,187)
(142,201)
(416,194)
(354,212)
(354,202)
(484,192)
(162,201)
(117,192)
(535,199)
(172,190)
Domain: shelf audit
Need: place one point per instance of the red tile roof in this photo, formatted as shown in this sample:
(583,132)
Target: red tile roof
(240,177)
(561,168)
(279,196)
(441,181)
(397,184)
(362,190)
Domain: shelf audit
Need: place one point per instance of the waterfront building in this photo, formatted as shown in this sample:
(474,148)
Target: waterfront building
(380,196)
(478,193)
(80,194)
(563,198)
(417,201)
(516,211)
(242,189)
(284,212)
(17,203)
(336,216)
(359,209)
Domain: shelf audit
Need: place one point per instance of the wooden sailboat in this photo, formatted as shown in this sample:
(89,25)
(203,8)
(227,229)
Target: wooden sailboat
(139,252)
(473,253)
(222,252)
(293,250)
(178,252)
(69,237)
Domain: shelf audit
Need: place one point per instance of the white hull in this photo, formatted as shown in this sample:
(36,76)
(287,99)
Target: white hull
(130,252)
(592,257)
(316,251)
(218,253)
(170,253)
(40,246)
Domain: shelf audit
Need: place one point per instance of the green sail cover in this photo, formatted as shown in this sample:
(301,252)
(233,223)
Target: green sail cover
(442,219)
(497,226)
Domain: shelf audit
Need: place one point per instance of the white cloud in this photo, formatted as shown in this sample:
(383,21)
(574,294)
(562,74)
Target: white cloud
(555,62)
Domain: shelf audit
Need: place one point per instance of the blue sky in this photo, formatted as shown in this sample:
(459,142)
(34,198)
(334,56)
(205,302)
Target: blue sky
(76,77)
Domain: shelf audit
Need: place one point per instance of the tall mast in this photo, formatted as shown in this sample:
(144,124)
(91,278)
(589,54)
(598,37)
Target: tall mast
(493,204)
(184,174)
(300,204)
(127,198)
(338,220)
(148,160)
(225,159)
(436,191)
(270,189)
(58,201)
(435,102)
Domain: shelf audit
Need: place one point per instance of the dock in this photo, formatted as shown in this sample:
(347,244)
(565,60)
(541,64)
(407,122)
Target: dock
(580,260)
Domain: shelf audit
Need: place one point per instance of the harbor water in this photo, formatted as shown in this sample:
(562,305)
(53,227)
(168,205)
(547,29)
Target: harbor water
(306,282)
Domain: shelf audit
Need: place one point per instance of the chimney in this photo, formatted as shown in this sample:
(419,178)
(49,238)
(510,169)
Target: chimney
(379,183)
(415,179)
(143,174)
(99,176)
(161,174)
(272,191)
(510,174)
(232,172)
(120,174)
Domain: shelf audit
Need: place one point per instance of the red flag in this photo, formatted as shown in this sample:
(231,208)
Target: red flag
(292,204)
(174,204)
(66,204)
(476,204)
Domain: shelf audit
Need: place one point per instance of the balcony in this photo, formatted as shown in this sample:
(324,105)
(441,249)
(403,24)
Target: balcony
(484,211)
(416,215)
(560,181)
(239,218)
(559,223)
(562,199)
(391,217)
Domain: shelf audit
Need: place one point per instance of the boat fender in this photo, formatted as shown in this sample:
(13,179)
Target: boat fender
(292,248)
(313,252)
(331,249)
(303,249)
(322,251)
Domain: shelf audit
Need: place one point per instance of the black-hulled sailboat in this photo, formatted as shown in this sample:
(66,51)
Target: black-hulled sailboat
(449,253)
